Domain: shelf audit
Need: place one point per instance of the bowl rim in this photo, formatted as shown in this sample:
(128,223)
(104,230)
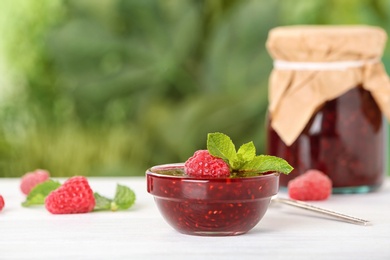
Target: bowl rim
(149,172)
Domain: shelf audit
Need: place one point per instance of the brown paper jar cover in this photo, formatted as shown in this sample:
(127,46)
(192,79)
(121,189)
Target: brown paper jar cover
(296,95)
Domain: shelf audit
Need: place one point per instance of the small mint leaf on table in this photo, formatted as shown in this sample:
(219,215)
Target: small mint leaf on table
(38,194)
(124,199)
(101,203)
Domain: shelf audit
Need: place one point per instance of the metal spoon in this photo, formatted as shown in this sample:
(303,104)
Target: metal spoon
(303,205)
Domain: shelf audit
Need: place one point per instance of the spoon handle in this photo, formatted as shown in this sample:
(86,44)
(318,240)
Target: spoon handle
(306,206)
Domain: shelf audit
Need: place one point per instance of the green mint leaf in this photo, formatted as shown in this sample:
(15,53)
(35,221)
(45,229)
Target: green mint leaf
(221,146)
(267,163)
(101,203)
(124,198)
(38,194)
(247,152)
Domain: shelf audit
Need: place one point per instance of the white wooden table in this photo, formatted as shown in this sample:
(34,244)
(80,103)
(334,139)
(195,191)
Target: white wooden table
(141,233)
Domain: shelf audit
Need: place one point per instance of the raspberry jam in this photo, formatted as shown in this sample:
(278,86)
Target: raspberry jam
(213,206)
(345,139)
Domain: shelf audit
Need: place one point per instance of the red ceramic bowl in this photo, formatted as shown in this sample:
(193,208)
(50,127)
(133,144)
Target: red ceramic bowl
(212,206)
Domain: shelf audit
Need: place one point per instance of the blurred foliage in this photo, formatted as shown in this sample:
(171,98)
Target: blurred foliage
(112,87)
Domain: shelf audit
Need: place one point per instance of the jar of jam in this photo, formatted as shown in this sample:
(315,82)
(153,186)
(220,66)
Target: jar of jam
(329,97)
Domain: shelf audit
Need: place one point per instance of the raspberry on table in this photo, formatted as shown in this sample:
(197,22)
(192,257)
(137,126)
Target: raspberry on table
(203,164)
(312,185)
(32,179)
(1,202)
(74,196)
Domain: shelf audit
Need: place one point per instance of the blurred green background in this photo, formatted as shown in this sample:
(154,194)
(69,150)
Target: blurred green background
(111,87)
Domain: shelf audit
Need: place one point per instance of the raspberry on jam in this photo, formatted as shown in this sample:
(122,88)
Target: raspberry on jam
(203,164)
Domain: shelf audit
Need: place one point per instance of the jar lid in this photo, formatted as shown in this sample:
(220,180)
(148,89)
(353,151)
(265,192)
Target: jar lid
(309,77)
(326,43)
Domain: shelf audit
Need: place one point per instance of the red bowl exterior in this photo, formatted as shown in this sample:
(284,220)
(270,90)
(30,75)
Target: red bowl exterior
(213,206)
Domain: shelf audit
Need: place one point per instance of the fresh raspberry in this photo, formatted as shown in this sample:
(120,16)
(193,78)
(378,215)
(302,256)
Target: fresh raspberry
(203,164)
(312,185)
(74,196)
(32,179)
(1,202)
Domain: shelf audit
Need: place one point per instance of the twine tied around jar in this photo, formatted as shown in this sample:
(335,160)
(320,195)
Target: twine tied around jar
(315,64)
(318,66)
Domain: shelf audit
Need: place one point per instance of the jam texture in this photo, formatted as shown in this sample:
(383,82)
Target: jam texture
(215,206)
(345,139)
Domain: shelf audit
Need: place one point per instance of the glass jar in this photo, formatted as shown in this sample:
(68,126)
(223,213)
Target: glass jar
(345,139)
(329,97)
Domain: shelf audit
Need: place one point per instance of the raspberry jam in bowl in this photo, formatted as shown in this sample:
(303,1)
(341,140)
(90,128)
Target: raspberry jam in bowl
(223,206)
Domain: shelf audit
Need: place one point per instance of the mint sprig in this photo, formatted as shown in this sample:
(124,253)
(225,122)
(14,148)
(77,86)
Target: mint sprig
(124,199)
(244,162)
